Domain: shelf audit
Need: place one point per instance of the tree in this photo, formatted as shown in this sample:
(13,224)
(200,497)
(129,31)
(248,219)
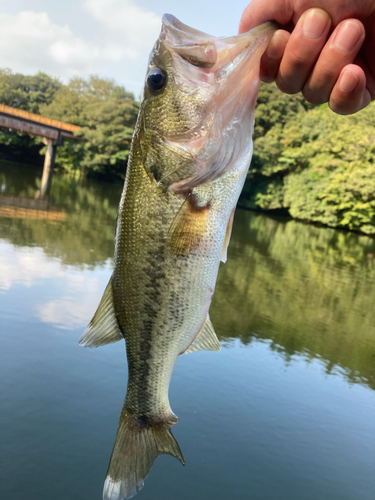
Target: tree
(28,93)
(107,114)
(318,166)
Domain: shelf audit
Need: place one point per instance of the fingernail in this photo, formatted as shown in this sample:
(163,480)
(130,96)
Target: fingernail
(348,82)
(315,23)
(348,36)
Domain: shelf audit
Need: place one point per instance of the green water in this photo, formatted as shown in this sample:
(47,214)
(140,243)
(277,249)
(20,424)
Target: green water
(286,410)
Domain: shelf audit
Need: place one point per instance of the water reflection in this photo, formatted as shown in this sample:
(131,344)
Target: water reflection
(84,232)
(299,298)
(308,290)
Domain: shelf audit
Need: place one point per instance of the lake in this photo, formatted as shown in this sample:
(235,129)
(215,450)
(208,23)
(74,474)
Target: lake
(285,411)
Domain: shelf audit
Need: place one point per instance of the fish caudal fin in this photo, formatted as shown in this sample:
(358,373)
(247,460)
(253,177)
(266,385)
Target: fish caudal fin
(103,328)
(134,452)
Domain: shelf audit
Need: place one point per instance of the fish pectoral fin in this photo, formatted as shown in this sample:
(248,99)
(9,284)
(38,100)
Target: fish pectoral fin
(189,228)
(103,328)
(206,340)
(228,234)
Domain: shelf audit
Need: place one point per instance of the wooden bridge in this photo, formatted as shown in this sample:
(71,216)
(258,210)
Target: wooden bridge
(53,131)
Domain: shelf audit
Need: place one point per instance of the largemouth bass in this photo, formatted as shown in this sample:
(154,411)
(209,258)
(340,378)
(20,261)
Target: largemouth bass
(189,157)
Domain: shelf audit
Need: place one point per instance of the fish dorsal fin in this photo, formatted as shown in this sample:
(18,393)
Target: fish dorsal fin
(189,228)
(228,234)
(206,340)
(103,328)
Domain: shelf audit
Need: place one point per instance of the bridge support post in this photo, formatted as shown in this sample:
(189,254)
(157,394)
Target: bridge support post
(49,165)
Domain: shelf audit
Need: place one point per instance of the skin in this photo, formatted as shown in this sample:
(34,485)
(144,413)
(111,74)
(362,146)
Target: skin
(325,52)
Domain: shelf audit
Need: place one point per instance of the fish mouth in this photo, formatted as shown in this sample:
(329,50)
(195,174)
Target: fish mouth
(206,51)
(225,72)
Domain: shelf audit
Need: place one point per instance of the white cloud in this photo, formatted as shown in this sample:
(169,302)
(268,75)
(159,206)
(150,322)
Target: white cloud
(79,291)
(25,266)
(25,39)
(31,42)
(76,308)
(117,46)
(133,24)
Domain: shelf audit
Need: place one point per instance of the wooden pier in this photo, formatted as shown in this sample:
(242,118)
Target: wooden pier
(53,131)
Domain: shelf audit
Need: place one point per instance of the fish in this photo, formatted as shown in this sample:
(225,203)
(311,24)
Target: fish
(189,157)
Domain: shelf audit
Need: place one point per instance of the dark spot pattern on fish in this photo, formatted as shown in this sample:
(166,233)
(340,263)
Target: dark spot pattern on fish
(139,377)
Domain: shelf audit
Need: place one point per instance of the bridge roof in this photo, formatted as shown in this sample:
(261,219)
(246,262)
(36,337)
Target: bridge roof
(25,115)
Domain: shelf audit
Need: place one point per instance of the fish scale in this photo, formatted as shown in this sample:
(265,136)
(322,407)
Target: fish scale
(188,162)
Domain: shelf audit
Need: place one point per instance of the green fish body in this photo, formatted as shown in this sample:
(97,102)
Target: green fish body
(189,157)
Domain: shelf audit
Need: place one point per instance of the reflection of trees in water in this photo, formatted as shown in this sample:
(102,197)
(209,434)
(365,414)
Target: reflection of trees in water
(85,236)
(309,290)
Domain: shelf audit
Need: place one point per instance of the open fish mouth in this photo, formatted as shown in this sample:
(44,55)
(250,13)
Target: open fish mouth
(206,51)
(223,72)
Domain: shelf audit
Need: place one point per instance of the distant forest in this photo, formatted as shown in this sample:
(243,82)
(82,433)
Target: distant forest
(308,162)
(105,110)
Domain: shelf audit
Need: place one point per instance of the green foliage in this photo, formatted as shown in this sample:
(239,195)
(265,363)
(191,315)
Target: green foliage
(70,102)
(105,110)
(29,93)
(302,289)
(107,114)
(108,134)
(85,233)
(267,194)
(316,164)
(275,108)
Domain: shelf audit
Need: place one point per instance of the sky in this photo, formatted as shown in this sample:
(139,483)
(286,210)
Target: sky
(108,38)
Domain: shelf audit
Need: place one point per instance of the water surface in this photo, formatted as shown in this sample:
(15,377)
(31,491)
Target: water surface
(285,411)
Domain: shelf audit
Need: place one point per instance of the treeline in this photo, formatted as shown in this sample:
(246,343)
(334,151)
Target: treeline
(104,110)
(308,162)
(315,164)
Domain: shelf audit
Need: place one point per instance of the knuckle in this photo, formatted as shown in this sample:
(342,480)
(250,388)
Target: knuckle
(298,59)
(288,86)
(318,93)
(342,107)
(315,98)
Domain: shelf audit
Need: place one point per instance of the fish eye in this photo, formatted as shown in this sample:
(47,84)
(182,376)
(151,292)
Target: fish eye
(156,79)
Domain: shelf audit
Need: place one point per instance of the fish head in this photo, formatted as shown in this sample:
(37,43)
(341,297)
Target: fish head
(197,111)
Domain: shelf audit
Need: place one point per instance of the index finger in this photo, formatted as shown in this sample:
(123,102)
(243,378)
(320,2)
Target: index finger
(260,11)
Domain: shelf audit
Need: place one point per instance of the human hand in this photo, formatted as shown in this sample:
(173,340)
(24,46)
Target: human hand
(328,55)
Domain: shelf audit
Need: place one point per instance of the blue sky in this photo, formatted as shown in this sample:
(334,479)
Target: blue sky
(109,38)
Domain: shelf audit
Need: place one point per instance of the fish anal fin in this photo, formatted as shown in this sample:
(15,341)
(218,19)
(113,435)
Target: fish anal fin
(206,340)
(136,447)
(188,230)
(228,234)
(103,328)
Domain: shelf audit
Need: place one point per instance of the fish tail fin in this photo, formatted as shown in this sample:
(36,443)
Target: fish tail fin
(136,447)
